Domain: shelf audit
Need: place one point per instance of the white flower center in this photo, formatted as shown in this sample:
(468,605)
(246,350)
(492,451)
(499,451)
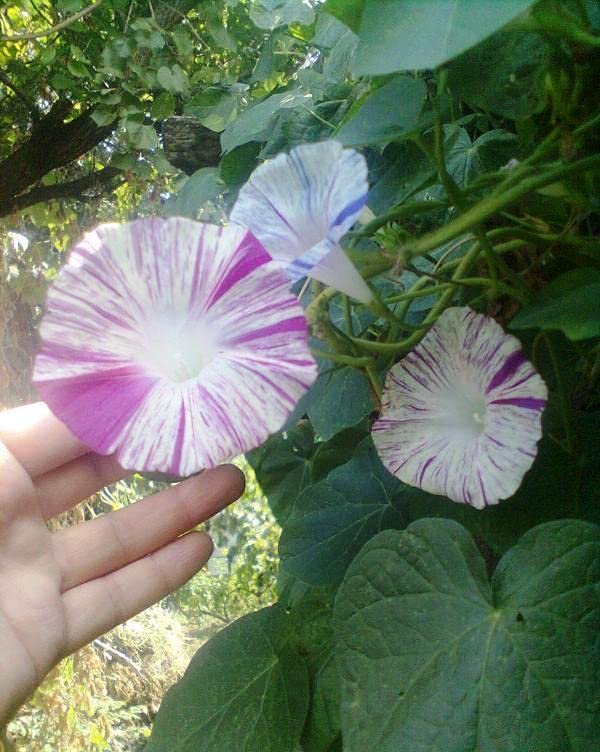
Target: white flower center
(462,411)
(175,350)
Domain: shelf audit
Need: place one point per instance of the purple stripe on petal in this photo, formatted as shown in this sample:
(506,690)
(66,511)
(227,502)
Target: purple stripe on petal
(97,407)
(440,428)
(529,403)
(145,368)
(251,256)
(511,365)
(297,324)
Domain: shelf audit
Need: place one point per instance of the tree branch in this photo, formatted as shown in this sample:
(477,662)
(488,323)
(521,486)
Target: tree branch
(72,189)
(51,144)
(46,32)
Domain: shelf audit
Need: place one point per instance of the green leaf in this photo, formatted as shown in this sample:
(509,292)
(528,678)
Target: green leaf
(220,34)
(388,112)
(334,518)
(570,303)
(246,688)
(348,12)
(152,40)
(253,123)
(204,185)
(214,108)
(288,462)
(237,165)
(103,116)
(434,659)
(61,82)
(77,54)
(504,74)
(77,69)
(271,14)
(140,136)
(337,62)
(173,80)
(421,34)
(407,169)
(48,55)
(282,467)
(163,106)
(183,42)
(339,398)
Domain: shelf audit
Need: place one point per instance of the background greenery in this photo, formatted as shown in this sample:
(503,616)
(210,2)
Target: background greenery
(389,618)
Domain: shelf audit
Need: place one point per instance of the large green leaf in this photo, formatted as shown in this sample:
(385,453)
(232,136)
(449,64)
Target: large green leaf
(347,11)
(204,185)
(434,659)
(290,461)
(390,111)
(246,689)
(332,519)
(504,74)
(282,467)
(407,169)
(253,123)
(338,399)
(554,488)
(570,303)
(419,34)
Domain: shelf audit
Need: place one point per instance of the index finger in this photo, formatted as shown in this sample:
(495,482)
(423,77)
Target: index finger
(37,439)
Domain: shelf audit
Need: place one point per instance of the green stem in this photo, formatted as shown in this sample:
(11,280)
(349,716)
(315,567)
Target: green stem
(495,203)
(344,360)
(374,379)
(407,344)
(398,212)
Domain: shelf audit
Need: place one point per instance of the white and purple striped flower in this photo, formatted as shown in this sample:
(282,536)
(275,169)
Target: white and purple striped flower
(173,343)
(300,204)
(461,413)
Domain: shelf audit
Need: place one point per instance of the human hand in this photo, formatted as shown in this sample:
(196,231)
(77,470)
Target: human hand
(58,591)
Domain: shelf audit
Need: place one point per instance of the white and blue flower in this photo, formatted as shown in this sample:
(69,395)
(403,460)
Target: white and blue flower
(299,205)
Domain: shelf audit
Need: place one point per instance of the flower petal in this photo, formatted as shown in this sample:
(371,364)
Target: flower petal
(461,413)
(298,201)
(175,344)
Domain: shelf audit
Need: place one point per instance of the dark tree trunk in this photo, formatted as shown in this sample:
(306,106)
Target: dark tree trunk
(53,143)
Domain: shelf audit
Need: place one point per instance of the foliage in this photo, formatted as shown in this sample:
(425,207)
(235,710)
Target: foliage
(403,620)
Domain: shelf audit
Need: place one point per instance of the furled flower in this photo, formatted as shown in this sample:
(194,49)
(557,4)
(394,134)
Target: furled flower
(461,413)
(300,204)
(173,343)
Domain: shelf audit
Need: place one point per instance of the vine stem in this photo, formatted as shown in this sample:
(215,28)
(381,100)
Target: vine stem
(446,297)
(493,204)
(342,359)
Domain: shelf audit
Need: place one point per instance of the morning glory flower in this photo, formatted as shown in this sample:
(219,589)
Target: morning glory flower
(174,344)
(461,413)
(300,204)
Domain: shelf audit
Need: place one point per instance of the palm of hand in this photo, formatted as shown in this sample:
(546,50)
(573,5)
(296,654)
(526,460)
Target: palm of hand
(60,590)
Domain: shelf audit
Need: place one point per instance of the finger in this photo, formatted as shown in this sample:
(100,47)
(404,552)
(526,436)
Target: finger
(94,548)
(37,439)
(99,605)
(17,494)
(62,488)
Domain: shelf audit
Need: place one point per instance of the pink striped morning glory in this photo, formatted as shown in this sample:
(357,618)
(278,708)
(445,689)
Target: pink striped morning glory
(300,204)
(461,413)
(172,343)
